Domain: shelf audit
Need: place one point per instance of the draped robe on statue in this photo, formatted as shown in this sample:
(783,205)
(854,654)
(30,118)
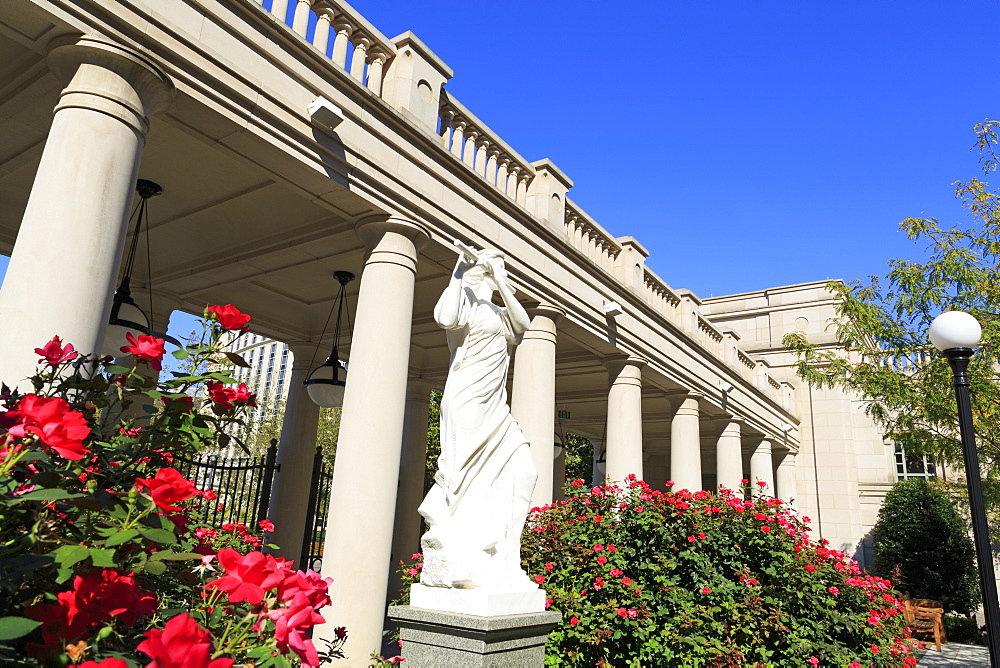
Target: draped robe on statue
(482,490)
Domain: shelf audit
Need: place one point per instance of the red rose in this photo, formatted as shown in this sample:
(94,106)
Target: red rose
(181,644)
(222,396)
(247,576)
(766,529)
(167,488)
(55,354)
(292,626)
(52,422)
(244,396)
(266,525)
(94,599)
(146,348)
(230,317)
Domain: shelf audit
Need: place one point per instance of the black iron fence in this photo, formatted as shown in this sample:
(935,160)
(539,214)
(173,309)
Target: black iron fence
(242,485)
(319,504)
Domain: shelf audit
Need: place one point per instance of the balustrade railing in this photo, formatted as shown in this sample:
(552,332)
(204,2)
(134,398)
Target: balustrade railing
(710,336)
(341,34)
(475,144)
(591,239)
(658,294)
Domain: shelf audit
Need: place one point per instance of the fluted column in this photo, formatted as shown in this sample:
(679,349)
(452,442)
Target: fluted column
(533,398)
(685,444)
(341,40)
(62,283)
(761,470)
(624,441)
(412,466)
(729,456)
(363,493)
(296,447)
(785,479)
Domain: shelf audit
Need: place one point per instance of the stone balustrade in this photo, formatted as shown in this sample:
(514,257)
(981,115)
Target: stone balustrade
(711,337)
(340,34)
(659,295)
(475,144)
(591,239)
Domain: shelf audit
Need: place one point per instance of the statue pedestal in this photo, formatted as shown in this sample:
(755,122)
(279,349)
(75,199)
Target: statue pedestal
(433,639)
(481,602)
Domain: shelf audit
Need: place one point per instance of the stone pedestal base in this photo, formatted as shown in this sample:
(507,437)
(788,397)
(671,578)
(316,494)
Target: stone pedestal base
(433,639)
(481,602)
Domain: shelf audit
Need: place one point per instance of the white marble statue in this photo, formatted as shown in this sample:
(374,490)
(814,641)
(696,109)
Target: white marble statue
(482,490)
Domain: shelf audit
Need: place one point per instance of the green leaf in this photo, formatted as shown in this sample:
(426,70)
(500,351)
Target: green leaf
(49,495)
(161,536)
(102,558)
(174,556)
(121,537)
(155,567)
(15,627)
(180,354)
(68,555)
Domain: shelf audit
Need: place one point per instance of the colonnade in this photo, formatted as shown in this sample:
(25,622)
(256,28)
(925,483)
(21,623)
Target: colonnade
(101,122)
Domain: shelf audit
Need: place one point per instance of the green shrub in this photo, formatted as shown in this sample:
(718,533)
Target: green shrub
(650,578)
(923,543)
(964,630)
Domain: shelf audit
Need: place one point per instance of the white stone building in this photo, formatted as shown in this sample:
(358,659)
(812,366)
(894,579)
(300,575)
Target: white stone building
(287,152)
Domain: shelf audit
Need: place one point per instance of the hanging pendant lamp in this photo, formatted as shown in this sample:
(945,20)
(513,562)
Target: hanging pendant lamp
(326,383)
(126,316)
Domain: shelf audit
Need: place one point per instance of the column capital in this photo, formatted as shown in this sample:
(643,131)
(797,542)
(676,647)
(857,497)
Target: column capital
(109,78)
(624,359)
(372,228)
(361,41)
(342,24)
(550,311)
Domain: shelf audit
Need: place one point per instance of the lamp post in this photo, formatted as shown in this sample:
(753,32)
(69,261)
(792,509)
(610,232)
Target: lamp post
(955,334)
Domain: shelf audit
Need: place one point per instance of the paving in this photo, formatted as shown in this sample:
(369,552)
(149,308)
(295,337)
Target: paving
(953,654)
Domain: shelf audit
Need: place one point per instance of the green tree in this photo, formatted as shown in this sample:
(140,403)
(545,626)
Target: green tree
(882,351)
(922,544)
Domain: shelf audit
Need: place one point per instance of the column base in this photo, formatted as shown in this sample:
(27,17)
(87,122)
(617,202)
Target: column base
(480,602)
(433,639)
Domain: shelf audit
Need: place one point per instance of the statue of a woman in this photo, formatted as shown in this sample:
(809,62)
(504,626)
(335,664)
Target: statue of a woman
(482,490)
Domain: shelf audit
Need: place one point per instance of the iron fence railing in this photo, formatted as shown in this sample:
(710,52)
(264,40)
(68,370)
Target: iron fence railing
(242,485)
(319,504)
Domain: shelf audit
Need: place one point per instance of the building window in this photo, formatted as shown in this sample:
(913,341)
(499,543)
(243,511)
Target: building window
(913,466)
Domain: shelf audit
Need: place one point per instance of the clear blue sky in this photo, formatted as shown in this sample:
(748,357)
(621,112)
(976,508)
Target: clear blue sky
(747,144)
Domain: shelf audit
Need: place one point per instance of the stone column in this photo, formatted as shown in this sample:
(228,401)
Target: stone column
(457,138)
(785,480)
(761,469)
(376,63)
(62,283)
(296,448)
(469,154)
(624,444)
(413,464)
(363,493)
(533,399)
(685,445)
(360,57)
(729,457)
(321,36)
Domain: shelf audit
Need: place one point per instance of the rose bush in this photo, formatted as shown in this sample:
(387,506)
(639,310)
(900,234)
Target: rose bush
(105,559)
(651,578)
(648,577)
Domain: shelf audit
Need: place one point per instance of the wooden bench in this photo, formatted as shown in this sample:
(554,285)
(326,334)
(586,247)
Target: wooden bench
(926,616)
